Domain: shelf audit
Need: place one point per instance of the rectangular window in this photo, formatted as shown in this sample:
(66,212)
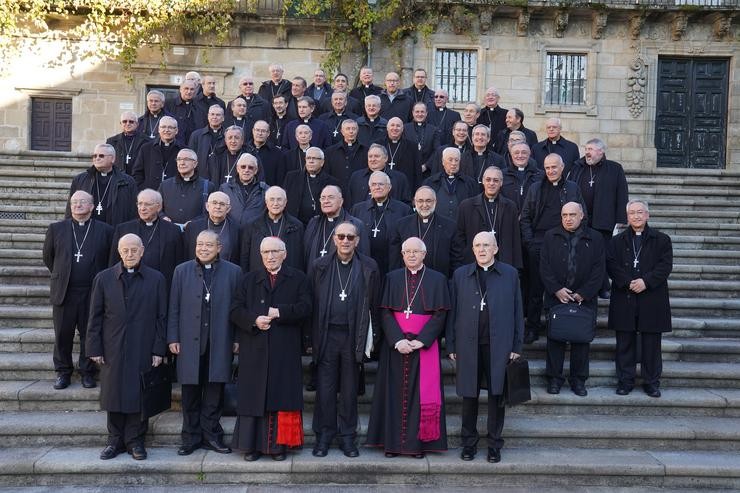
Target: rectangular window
(456,72)
(565,79)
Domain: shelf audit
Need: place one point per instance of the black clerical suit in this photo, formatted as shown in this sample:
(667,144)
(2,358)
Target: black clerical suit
(189,117)
(484,327)
(444,251)
(444,119)
(304,191)
(562,147)
(371,131)
(493,118)
(127,149)
(228,234)
(346,299)
(319,98)
(434,165)
(185,199)
(499,215)
(425,136)
(71,281)
(205,102)
(198,319)
(206,142)
(127,326)
(516,183)
(294,159)
(605,193)
(272,162)
(287,228)
(502,139)
(268,89)
(149,124)
(163,246)
(359,189)
(221,166)
(333,121)
(257,107)
(318,241)
(246,123)
(379,220)
(403,157)
(451,192)
(353,106)
(247,201)
(343,159)
(575,261)
(647,256)
(156,161)
(320,135)
(424,95)
(362,91)
(398,107)
(113,193)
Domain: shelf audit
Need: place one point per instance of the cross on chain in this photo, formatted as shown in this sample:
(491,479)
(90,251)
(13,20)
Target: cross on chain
(322,252)
(634,263)
(228,177)
(343,295)
(99,208)
(78,255)
(482,304)
(375,231)
(407,311)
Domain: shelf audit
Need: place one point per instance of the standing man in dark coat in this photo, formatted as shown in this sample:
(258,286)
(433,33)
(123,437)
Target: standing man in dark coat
(639,261)
(201,334)
(126,335)
(220,167)
(163,246)
(365,87)
(346,287)
(419,91)
(184,196)
(371,125)
(216,219)
(514,121)
(408,414)
(572,265)
(556,143)
(540,213)
(492,115)
(113,191)
(348,156)
(87,240)
(257,107)
(269,309)
(491,211)
(305,185)
(157,160)
(459,140)
(450,185)
(380,213)
(247,192)
(484,331)
(476,159)
(275,222)
(149,122)
(270,157)
(206,141)
(127,143)
(320,136)
(403,155)
(443,117)
(336,115)
(519,174)
(444,251)
(319,90)
(276,85)
(424,135)
(188,114)
(377,160)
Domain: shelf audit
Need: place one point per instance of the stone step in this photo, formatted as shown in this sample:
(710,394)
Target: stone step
(41,160)
(14,181)
(48,212)
(705,272)
(706,257)
(19,257)
(709,216)
(684,288)
(696,242)
(15,294)
(652,193)
(21,275)
(696,229)
(38,226)
(698,307)
(530,467)
(24,240)
(88,428)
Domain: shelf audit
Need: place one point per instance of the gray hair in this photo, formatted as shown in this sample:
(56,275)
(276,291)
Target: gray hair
(638,201)
(598,143)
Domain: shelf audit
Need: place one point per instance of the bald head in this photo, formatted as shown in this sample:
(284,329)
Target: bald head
(131,249)
(571,215)
(81,205)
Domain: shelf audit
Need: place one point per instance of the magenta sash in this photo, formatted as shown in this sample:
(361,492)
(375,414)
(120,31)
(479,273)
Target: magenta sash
(430,394)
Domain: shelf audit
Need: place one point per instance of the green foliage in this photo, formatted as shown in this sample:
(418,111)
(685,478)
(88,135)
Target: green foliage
(108,29)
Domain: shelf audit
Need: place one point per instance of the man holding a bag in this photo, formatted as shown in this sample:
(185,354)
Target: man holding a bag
(572,266)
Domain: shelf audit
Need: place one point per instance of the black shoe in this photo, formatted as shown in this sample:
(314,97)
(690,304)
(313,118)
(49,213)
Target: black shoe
(494,455)
(651,390)
(468,453)
(579,389)
(320,450)
(88,381)
(110,452)
(138,452)
(390,455)
(350,450)
(623,390)
(252,456)
(62,382)
(553,388)
(188,449)
(530,337)
(216,446)
(279,457)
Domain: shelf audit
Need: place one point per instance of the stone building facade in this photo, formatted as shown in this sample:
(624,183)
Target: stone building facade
(658,80)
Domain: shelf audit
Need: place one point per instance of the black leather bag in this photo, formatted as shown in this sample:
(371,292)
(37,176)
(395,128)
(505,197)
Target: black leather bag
(571,322)
(517,387)
(156,391)
(230,392)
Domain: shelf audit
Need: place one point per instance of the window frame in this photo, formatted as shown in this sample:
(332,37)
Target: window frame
(589,106)
(475,92)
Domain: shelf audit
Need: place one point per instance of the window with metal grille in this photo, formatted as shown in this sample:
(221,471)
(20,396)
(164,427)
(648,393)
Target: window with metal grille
(565,79)
(456,72)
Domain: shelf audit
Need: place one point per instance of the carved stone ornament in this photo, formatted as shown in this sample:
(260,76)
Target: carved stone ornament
(636,81)
(679,25)
(561,23)
(486,17)
(598,24)
(460,20)
(522,22)
(721,26)
(636,23)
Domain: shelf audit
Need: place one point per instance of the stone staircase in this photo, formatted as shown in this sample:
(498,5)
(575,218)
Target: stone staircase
(689,438)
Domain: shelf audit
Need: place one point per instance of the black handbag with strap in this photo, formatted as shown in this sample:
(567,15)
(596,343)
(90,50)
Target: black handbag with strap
(230,393)
(571,322)
(516,385)
(156,391)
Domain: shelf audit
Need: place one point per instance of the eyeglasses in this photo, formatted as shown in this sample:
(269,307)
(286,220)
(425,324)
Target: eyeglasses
(100,156)
(167,127)
(248,166)
(247,83)
(342,237)
(80,202)
(128,121)
(185,159)
(146,204)
(412,252)
(314,158)
(260,130)
(219,204)
(438,96)
(268,253)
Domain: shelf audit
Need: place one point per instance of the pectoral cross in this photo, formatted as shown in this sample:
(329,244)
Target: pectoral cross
(164,175)
(521,190)
(391,164)
(482,304)
(99,208)
(322,252)
(277,135)
(407,311)
(634,263)
(128,158)
(78,255)
(375,231)
(335,132)
(228,177)
(343,295)
(419,145)
(591,182)
(208,297)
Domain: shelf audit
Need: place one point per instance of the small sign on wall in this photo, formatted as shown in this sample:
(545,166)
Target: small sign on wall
(126,106)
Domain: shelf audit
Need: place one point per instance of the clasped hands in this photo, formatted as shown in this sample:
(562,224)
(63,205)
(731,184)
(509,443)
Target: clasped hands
(407,347)
(565,295)
(263,321)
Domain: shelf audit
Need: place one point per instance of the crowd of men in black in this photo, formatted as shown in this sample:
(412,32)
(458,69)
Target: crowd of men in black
(345,224)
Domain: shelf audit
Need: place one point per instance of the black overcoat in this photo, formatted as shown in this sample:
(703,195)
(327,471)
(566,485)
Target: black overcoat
(649,311)
(184,320)
(122,194)
(359,190)
(252,234)
(341,160)
(610,193)
(230,232)
(270,356)
(505,321)
(245,209)
(126,327)
(150,163)
(118,141)
(444,251)
(563,147)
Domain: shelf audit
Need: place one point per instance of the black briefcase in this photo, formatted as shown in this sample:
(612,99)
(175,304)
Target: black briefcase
(156,391)
(230,391)
(571,322)
(516,386)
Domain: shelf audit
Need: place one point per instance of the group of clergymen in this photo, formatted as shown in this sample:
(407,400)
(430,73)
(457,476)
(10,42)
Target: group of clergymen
(230,246)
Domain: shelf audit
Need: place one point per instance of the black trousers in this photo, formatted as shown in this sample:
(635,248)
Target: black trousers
(337,371)
(126,430)
(496,411)
(202,405)
(579,359)
(651,360)
(607,235)
(71,315)
(535,291)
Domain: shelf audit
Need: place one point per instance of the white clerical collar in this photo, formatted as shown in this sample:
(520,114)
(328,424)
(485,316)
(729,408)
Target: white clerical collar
(371,119)
(276,272)
(394,141)
(420,123)
(312,176)
(480,153)
(81,223)
(486,267)
(425,220)
(441,109)
(451,177)
(380,204)
(305,120)
(414,272)
(207,266)
(349,144)
(166,144)
(491,199)
(330,219)
(638,233)
(521,168)
(130,271)
(554,141)
(555,184)
(149,223)
(187,178)
(103,173)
